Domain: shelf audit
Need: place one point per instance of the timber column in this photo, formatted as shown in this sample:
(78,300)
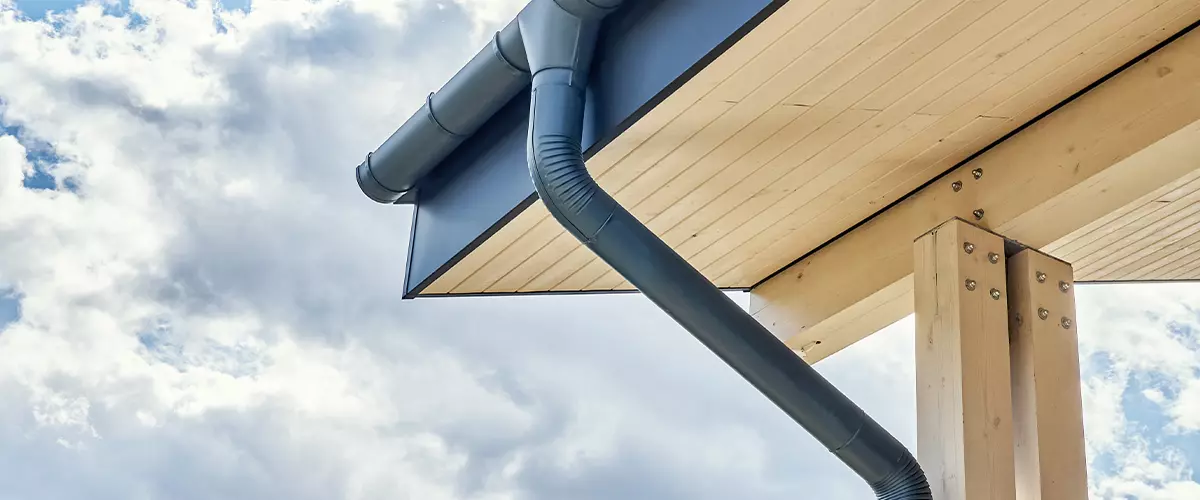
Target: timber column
(999,405)
(1047,397)
(964,400)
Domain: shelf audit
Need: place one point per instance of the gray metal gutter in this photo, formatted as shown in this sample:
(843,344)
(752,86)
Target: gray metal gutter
(487,82)
(558,37)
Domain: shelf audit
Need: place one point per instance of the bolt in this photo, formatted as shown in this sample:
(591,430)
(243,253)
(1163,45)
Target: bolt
(978,213)
(1020,320)
(968,247)
(993,257)
(1043,313)
(970,285)
(1064,286)
(977,173)
(956,186)
(1041,277)
(995,294)
(1066,323)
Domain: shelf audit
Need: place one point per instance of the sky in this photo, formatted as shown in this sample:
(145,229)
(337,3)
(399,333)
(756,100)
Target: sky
(196,301)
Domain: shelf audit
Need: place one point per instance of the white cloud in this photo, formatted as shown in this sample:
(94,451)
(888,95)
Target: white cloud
(209,307)
(1149,475)
(491,15)
(1140,341)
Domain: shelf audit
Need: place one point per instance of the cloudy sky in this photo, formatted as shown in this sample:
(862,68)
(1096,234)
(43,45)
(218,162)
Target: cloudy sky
(196,302)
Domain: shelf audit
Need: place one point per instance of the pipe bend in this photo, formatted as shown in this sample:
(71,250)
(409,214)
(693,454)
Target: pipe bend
(906,482)
(556,159)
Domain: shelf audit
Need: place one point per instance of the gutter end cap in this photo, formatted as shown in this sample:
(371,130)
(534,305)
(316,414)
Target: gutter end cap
(372,187)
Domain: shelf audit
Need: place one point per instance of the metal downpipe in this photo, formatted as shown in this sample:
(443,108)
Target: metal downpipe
(559,37)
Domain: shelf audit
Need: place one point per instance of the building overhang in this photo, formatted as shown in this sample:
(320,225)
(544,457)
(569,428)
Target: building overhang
(754,135)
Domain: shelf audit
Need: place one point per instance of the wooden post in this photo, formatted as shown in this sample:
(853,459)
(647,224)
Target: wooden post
(1047,403)
(964,399)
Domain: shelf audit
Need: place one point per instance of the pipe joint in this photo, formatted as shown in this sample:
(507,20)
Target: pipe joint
(517,67)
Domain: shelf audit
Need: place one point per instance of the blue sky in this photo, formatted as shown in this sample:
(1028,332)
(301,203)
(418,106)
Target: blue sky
(40,156)
(1146,418)
(196,301)
(37,9)
(10,309)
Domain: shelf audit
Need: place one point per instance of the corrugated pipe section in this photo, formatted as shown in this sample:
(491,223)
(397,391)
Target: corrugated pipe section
(559,36)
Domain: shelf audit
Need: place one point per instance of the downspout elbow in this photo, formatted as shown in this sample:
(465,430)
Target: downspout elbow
(906,482)
(556,159)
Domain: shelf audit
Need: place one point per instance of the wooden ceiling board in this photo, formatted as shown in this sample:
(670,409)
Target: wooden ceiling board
(821,116)
(1108,228)
(798,232)
(1155,238)
(760,185)
(756,116)
(766,227)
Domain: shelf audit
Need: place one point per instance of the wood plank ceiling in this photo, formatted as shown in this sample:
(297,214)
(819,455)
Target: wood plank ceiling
(1155,238)
(825,113)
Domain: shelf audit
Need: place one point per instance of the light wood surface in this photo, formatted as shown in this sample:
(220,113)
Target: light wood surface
(1046,392)
(964,398)
(819,117)
(1153,238)
(1132,137)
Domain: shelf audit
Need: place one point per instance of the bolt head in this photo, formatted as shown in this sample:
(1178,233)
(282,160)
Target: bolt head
(1043,313)
(995,294)
(993,257)
(1041,277)
(1064,286)
(956,186)
(977,173)
(968,247)
(970,285)
(1065,322)
(978,213)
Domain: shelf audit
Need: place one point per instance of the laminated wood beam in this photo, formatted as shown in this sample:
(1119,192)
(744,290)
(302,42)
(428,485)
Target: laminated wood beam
(1125,138)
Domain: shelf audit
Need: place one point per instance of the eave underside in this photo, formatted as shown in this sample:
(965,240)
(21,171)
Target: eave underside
(830,111)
